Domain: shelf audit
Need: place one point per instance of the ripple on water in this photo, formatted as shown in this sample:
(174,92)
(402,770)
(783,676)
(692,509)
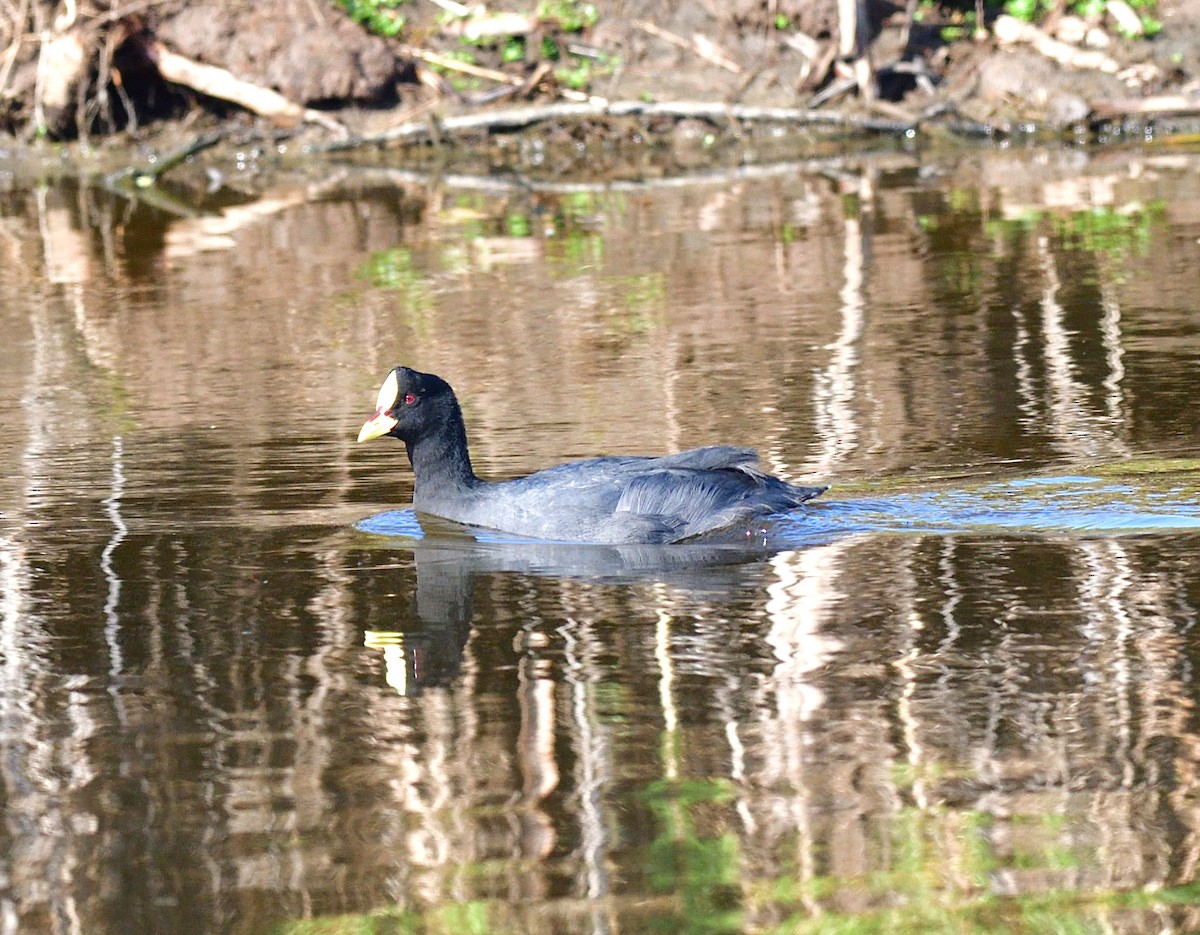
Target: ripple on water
(1063,504)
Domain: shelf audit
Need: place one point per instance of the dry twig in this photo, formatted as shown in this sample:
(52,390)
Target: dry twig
(491,74)
(699,45)
(466,68)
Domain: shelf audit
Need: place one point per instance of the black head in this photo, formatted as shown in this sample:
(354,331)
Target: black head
(410,406)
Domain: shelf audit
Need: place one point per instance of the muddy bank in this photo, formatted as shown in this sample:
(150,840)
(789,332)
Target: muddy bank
(258,80)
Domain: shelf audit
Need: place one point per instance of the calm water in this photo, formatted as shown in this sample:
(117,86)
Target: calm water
(959,694)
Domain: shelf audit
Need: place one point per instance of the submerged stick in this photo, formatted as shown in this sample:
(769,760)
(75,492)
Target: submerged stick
(145,175)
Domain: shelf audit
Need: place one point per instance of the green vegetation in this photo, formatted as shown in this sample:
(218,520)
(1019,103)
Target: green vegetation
(395,271)
(699,871)
(383,17)
(468,918)
(963,19)
(563,18)
(1033,10)
(641,298)
(1113,233)
(379,16)
(558,20)
(936,883)
(570,15)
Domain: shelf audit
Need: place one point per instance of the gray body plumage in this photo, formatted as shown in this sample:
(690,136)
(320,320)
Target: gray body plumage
(622,499)
(604,500)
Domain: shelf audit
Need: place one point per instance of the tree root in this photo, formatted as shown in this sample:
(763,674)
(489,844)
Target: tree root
(219,83)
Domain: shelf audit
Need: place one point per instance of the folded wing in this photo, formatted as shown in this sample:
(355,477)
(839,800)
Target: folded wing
(705,489)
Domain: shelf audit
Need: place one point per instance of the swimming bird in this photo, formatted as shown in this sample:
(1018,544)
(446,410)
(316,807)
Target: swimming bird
(610,500)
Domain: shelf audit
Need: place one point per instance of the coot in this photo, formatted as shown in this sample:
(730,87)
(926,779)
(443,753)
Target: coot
(606,500)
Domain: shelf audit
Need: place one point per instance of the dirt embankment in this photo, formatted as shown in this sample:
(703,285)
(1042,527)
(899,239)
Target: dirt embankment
(97,68)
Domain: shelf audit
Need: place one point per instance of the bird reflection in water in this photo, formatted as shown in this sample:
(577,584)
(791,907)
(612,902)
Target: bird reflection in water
(449,556)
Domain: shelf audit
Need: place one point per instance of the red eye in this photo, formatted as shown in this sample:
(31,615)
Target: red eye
(409,399)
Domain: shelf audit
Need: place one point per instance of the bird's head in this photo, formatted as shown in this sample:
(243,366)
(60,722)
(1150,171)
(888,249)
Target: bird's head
(409,406)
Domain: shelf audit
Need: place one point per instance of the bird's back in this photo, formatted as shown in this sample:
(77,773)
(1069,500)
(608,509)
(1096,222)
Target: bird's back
(630,499)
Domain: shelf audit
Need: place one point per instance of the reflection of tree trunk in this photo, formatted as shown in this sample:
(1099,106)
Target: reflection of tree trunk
(1114,359)
(1065,395)
(593,755)
(1184,798)
(41,763)
(835,388)
(1078,432)
(1132,650)
(536,758)
(799,605)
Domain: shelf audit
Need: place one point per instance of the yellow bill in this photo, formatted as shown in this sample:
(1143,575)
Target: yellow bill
(381,423)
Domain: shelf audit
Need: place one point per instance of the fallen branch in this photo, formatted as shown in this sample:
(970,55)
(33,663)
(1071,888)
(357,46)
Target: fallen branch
(522,117)
(62,62)
(815,77)
(1146,107)
(219,83)
(491,26)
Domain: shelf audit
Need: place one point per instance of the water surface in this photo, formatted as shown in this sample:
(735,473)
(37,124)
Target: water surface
(244,691)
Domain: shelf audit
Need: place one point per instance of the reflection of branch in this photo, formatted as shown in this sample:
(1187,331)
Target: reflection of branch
(204,232)
(112,616)
(160,199)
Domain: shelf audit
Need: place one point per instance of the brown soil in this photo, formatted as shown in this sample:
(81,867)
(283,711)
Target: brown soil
(310,52)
